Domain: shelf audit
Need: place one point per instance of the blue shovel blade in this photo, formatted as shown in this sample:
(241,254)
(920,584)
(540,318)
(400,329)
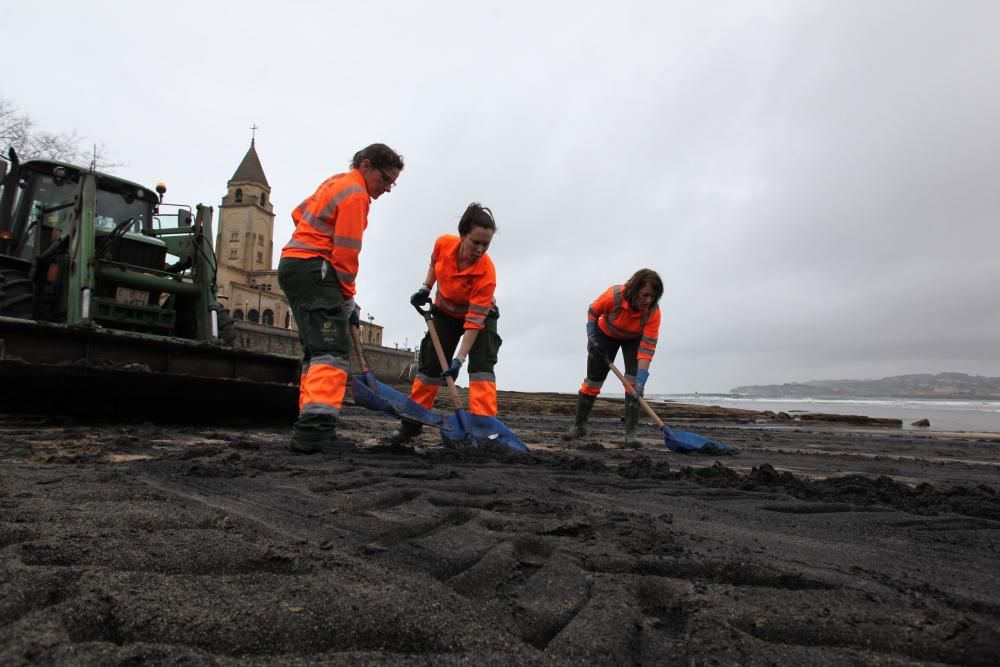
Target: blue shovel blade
(684,441)
(471,430)
(383,398)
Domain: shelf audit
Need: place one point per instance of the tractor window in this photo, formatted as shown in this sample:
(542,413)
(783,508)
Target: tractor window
(47,194)
(113,208)
(43,193)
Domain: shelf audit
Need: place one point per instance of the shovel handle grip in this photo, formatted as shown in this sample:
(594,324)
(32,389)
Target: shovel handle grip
(631,389)
(426,314)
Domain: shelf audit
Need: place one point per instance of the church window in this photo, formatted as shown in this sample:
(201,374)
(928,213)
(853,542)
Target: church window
(239,195)
(260,240)
(260,257)
(233,253)
(234,236)
(288,320)
(238,314)
(263,200)
(268,317)
(253,316)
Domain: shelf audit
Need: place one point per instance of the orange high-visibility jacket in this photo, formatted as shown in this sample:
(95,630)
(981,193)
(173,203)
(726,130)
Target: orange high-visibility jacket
(330,224)
(616,318)
(463,294)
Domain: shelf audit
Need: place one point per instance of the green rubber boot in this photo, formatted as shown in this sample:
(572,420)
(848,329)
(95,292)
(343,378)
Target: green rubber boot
(584,404)
(631,422)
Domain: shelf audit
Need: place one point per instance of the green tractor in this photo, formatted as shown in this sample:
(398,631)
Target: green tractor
(98,278)
(80,248)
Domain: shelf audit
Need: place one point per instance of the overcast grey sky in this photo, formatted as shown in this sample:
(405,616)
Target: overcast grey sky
(818,183)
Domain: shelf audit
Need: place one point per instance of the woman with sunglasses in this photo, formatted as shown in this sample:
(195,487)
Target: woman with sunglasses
(317,273)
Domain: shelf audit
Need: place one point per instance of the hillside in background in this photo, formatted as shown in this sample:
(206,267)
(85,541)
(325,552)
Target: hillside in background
(925,385)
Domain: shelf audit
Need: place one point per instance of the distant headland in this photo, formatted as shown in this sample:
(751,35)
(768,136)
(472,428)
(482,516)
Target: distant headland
(924,385)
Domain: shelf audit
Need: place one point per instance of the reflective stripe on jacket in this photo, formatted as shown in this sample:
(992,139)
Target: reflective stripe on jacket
(616,318)
(462,294)
(330,224)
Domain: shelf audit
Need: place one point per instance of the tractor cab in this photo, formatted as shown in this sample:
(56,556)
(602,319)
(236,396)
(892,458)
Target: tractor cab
(36,192)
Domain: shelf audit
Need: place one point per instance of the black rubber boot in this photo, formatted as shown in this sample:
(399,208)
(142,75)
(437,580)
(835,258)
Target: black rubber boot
(303,445)
(336,443)
(407,431)
(631,422)
(328,441)
(584,404)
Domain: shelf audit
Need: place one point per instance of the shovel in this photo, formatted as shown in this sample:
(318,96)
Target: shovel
(370,393)
(675,441)
(464,428)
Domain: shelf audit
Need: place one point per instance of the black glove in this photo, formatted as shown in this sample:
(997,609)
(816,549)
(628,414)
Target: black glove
(354,319)
(420,297)
(452,372)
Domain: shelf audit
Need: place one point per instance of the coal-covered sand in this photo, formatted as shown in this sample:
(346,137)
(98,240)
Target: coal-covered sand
(817,544)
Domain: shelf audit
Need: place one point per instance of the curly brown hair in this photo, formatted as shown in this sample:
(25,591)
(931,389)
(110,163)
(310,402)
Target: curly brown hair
(640,279)
(380,156)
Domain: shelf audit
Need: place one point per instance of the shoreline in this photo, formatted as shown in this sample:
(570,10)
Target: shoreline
(563,404)
(938,416)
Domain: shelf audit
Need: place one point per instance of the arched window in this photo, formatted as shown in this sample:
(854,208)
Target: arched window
(263,199)
(253,315)
(268,317)
(239,195)
(288,320)
(238,314)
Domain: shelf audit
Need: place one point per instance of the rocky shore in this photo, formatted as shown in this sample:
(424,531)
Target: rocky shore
(817,543)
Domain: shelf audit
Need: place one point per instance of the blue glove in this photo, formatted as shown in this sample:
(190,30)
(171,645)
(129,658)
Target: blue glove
(452,372)
(369,378)
(641,376)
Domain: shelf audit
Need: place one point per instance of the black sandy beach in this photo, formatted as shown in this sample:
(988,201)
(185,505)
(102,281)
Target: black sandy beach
(818,544)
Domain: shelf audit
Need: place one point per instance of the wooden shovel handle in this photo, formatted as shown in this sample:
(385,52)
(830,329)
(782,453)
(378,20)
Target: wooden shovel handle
(358,350)
(642,401)
(442,360)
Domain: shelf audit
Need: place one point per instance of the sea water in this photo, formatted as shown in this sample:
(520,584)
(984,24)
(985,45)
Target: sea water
(944,415)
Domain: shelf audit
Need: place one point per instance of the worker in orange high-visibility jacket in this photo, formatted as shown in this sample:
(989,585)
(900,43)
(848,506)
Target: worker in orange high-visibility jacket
(625,317)
(465,316)
(317,272)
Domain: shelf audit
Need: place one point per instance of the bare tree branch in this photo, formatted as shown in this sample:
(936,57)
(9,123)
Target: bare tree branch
(18,131)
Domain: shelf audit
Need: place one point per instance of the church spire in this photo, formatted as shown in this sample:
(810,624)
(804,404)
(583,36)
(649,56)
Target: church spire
(250,169)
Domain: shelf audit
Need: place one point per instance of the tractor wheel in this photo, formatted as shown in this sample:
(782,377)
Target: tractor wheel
(227,329)
(17,294)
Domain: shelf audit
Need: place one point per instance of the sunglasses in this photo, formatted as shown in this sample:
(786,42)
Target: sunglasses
(388,182)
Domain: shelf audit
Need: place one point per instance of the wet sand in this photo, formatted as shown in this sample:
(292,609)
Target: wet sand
(815,545)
